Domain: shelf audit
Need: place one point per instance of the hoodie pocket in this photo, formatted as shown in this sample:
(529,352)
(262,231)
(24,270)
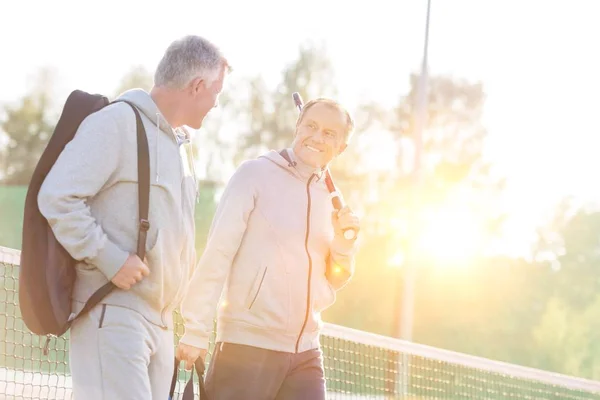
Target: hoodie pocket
(166,277)
(152,245)
(324,294)
(150,286)
(264,301)
(257,285)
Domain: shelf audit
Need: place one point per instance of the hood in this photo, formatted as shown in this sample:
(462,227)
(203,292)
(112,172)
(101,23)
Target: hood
(146,105)
(142,100)
(295,167)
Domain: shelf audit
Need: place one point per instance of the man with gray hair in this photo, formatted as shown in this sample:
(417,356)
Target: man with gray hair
(123,348)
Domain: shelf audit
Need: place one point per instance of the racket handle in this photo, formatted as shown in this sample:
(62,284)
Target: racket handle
(349,233)
(298,101)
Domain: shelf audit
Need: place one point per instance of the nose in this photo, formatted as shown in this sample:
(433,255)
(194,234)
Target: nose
(319,136)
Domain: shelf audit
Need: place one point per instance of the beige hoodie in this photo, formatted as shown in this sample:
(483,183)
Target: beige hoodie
(270,246)
(90,200)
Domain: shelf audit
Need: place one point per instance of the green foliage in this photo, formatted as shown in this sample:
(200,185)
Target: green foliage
(12,206)
(566,338)
(369,301)
(271,113)
(453,137)
(27,127)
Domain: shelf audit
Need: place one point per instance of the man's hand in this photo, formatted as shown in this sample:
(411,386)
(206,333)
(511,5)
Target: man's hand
(133,271)
(189,354)
(345,219)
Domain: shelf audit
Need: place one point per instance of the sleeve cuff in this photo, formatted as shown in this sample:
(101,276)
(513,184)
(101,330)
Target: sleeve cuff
(197,341)
(110,259)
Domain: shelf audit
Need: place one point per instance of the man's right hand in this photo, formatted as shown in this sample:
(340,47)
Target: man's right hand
(133,271)
(189,354)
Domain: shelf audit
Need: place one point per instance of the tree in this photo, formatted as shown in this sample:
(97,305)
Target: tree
(454,134)
(453,168)
(28,127)
(271,114)
(571,253)
(488,310)
(566,338)
(453,171)
(137,77)
(215,143)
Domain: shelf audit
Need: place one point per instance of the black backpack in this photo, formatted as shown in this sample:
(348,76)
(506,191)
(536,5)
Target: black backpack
(47,271)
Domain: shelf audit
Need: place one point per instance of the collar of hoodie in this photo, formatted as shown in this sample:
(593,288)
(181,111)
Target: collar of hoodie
(181,137)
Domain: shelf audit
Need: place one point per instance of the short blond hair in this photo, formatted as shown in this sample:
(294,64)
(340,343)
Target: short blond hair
(333,104)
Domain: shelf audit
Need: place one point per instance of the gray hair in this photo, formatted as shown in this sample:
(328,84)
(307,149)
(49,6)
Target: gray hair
(189,58)
(335,105)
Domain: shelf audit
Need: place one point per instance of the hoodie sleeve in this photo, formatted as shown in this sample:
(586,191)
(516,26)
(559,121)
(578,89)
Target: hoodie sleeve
(82,169)
(199,306)
(341,261)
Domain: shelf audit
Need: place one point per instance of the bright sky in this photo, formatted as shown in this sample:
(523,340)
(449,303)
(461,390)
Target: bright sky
(535,58)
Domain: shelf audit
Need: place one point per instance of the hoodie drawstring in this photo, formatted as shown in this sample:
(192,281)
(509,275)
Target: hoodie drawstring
(187,138)
(157,146)
(193,167)
(190,159)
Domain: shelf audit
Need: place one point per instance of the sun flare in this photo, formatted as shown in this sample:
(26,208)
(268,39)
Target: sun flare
(450,236)
(446,235)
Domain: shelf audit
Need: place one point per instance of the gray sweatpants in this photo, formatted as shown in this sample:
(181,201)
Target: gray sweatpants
(115,353)
(245,372)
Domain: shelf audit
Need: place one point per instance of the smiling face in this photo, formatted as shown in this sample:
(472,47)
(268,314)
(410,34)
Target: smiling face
(321,134)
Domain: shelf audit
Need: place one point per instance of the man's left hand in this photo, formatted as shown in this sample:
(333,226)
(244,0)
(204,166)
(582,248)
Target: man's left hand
(189,354)
(345,219)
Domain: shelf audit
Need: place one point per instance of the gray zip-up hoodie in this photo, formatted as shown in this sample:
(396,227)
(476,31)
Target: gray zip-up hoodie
(269,248)
(90,198)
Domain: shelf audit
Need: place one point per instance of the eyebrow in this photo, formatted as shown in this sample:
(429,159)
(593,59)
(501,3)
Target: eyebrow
(309,120)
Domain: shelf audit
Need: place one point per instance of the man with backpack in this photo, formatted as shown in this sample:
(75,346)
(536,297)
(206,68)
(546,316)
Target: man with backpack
(123,347)
(276,255)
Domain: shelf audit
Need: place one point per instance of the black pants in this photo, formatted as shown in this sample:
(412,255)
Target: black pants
(245,372)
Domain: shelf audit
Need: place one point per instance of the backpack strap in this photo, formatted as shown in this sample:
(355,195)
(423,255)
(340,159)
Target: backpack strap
(144,183)
(144,205)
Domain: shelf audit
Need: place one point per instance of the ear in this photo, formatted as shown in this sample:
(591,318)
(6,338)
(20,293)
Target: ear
(343,148)
(197,85)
